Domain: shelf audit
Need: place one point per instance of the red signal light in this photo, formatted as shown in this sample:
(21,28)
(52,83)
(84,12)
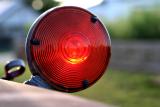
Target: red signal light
(69,48)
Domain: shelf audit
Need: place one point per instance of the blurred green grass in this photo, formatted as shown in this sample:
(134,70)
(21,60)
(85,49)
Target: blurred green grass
(123,89)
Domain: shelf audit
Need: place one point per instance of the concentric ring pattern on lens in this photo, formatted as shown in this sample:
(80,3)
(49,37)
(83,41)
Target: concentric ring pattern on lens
(72,48)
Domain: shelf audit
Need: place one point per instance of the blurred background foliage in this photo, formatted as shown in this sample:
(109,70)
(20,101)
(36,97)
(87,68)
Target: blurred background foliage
(140,25)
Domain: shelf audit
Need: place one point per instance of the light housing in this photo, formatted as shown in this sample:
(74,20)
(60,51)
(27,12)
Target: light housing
(69,48)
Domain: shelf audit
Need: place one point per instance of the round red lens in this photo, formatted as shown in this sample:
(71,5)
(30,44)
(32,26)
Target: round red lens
(69,48)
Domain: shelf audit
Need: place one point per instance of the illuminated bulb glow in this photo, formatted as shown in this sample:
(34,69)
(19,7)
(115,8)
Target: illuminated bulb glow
(75,48)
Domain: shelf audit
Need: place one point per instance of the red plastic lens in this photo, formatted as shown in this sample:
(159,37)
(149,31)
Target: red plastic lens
(68,48)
